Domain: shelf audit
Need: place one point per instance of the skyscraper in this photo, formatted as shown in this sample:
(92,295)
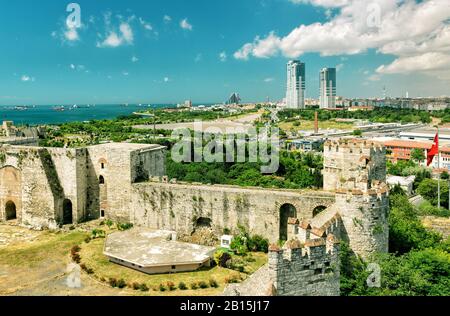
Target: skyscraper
(296,85)
(328,88)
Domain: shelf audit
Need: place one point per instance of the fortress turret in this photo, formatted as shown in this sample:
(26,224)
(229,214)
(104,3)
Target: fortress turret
(356,171)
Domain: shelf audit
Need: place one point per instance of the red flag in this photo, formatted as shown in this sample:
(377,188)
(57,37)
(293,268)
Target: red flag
(433,151)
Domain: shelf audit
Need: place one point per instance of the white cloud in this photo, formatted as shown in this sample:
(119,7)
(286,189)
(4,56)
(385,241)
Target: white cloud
(126,37)
(198,58)
(166,79)
(267,80)
(145,24)
(184,24)
(426,62)
(127,33)
(167,19)
(125,73)
(134,59)
(406,29)
(340,67)
(223,57)
(27,78)
(323,3)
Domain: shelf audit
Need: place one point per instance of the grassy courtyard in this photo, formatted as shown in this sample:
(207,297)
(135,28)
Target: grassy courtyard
(35,263)
(92,257)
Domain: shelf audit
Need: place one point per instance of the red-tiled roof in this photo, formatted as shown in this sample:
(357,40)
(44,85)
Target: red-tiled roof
(407,144)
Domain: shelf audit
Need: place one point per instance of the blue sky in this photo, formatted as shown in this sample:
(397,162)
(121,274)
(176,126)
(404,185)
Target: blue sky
(168,51)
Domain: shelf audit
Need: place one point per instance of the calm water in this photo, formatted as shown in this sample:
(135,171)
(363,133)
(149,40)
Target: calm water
(46,114)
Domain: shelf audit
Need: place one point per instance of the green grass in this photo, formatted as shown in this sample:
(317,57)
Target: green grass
(92,256)
(49,246)
(309,125)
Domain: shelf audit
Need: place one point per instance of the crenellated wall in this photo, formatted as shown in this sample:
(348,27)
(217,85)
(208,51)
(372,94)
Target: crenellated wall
(309,269)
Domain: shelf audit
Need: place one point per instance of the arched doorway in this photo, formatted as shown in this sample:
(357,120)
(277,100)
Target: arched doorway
(286,211)
(10,211)
(318,210)
(67,212)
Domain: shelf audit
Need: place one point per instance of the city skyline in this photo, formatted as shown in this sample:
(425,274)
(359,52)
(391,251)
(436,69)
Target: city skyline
(171,51)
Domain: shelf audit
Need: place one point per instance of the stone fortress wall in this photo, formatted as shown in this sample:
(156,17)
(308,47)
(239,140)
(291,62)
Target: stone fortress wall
(50,187)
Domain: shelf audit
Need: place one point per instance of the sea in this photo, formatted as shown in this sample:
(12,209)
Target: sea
(51,114)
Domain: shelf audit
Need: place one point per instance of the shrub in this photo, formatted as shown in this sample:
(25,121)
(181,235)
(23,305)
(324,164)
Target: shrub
(87,240)
(194,286)
(87,269)
(98,233)
(135,286)
(258,243)
(171,286)
(232,279)
(109,223)
(213,283)
(182,286)
(76,258)
(75,249)
(124,226)
(112,282)
(221,257)
(143,287)
(121,284)
(162,288)
(203,285)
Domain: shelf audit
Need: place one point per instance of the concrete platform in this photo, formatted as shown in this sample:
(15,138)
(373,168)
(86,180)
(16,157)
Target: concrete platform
(154,252)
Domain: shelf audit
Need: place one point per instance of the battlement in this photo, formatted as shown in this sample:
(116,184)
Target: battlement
(345,145)
(309,268)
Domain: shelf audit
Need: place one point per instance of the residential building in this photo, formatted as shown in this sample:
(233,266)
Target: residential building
(328,88)
(296,85)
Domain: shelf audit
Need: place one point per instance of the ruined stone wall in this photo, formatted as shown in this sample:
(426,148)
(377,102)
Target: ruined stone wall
(178,207)
(310,270)
(119,165)
(47,177)
(365,220)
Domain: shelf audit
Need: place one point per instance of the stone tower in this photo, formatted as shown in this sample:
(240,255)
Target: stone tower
(356,171)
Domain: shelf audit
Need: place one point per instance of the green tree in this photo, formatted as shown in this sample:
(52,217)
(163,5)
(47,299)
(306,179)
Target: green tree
(428,188)
(418,155)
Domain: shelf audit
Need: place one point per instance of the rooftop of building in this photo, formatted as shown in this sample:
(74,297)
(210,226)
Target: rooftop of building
(407,144)
(151,248)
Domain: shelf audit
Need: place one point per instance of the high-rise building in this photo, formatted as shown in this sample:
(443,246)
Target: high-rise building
(328,88)
(296,85)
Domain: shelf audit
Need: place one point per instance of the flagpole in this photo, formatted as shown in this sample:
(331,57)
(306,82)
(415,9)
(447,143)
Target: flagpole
(439,172)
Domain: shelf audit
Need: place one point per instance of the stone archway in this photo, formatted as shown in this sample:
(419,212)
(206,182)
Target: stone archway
(318,209)
(10,211)
(286,211)
(67,212)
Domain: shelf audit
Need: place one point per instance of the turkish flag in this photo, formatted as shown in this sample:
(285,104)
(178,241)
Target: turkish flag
(433,151)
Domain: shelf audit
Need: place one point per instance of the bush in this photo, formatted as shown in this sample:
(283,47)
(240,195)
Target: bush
(87,240)
(213,283)
(135,286)
(194,286)
(75,249)
(143,287)
(234,278)
(162,288)
(182,286)
(171,286)
(112,282)
(203,285)
(76,258)
(86,269)
(258,243)
(98,233)
(121,284)
(124,226)
(221,257)
(109,223)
